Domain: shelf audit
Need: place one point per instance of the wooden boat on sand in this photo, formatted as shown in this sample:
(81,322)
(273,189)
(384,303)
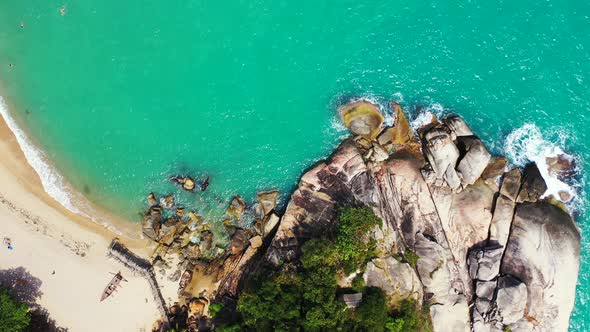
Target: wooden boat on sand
(112,286)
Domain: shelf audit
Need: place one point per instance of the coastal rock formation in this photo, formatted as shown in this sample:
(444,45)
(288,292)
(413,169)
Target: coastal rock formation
(362,118)
(472,239)
(493,252)
(398,280)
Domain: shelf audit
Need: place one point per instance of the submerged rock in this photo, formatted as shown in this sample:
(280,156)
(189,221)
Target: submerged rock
(205,184)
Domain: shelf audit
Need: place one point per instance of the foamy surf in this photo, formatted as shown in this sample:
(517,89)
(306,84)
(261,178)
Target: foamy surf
(54,184)
(527,144)
(427,115)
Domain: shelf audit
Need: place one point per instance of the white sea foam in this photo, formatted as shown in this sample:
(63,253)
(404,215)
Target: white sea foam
(527,144)
(426,115)
(53,183)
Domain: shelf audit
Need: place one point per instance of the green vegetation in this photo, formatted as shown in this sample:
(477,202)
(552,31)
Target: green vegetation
(14,316)
(215,308)
(411,258)
(358,283)
(353,226)
(408,318)
(305,299)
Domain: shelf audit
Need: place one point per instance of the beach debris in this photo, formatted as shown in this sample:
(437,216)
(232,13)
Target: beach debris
(112,286)
(268,201)
(152,200)
(186,182)
(167,202)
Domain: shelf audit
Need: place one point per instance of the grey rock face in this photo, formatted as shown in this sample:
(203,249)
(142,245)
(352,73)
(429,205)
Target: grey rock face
(543,252)
(475,159)
(442,154)
(511,299)
(491,252)
(398,280)
(457,126)
(484,264)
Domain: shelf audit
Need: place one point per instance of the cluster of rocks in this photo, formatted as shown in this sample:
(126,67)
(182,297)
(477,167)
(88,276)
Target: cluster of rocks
(188,183)
(493,253)
(488,251)
(245,243)
(179,232)
(185,243)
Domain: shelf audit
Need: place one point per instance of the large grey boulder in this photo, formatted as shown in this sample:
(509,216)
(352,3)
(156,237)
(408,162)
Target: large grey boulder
(398,280)
(474,161)
(511,299)
(442,154)
(484,264)
(543,252)
(533,185)
(457,127)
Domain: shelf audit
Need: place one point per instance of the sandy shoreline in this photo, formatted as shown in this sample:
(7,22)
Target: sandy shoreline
(47,237)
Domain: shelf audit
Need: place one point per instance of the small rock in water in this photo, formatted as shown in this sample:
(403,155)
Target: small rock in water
(167,202)
(152,200)
(180,211)
(186,182)
(205,184)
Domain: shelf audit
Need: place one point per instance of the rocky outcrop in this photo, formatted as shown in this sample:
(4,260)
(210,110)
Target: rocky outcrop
(362,118)
(398,280)
(472,238)
(493,253)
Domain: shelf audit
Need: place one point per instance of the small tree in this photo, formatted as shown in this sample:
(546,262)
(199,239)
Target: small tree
(14,316)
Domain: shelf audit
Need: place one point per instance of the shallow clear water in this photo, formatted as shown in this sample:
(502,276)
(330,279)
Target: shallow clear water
(120,95)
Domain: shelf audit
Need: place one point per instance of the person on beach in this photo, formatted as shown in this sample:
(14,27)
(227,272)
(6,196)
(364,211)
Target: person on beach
(8,243)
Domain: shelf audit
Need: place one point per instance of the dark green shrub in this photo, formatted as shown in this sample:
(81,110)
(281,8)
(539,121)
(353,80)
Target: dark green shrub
(14,316)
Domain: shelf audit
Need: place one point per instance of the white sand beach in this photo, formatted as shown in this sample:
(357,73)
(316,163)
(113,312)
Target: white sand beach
(47,238)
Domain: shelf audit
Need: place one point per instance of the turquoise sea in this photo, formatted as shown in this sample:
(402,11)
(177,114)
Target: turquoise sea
(119,95)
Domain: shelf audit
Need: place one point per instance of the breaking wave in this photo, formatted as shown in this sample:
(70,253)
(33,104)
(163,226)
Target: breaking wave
(53,183)
(527,144)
